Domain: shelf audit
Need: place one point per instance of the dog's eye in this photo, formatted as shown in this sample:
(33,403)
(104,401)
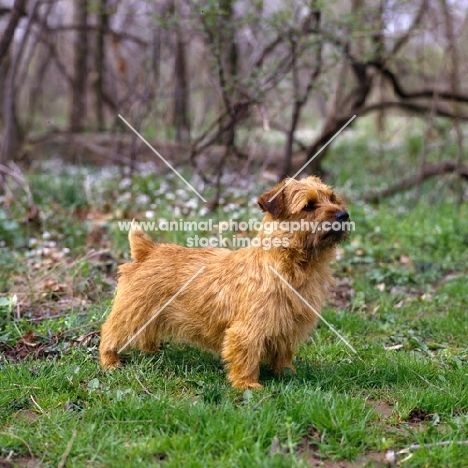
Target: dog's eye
(309,207)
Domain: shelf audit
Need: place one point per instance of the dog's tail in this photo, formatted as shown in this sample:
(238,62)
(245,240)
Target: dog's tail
(140,243)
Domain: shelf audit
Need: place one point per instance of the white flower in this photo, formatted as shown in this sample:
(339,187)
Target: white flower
(143,199)
(126,182)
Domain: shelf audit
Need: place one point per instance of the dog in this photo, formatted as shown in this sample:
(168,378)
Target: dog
(250,305)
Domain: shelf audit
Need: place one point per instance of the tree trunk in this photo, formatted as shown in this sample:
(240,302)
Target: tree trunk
(100,63)
(181,120)
(6,37)
(296,112)
(4,67)
(12,134)
(78,98)
(156,56)
(228,62)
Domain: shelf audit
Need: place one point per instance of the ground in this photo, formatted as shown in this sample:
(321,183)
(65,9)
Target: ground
(401,302)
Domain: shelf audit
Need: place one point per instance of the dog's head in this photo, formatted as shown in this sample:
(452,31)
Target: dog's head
(321,213)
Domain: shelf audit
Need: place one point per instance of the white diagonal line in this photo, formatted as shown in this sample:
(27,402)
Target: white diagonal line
(312,158)
(161,309)
(332,328)
(167,163)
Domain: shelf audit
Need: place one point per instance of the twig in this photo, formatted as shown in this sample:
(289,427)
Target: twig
(24,387)
(18,177)
(454,81)
(38,406)
(428,382)
(436,444)
(144,388)
(411,181)
(276,392)
(64,457)
(391,456)
(129,421)
(50,317)
(79,328)
(87,335)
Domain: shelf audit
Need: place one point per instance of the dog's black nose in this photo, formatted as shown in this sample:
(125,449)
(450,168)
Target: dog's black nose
(341,216)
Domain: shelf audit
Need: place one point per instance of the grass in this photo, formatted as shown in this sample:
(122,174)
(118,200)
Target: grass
(402,294)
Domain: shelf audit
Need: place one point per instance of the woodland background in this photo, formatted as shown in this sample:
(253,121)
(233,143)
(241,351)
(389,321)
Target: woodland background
(230,85)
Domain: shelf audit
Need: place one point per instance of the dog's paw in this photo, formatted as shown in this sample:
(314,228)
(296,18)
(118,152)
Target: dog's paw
(110,360)
(111,366)
(248,386)
(255,386)
(289,370)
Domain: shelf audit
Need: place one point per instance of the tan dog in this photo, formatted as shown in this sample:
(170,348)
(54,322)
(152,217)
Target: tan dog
(239,305)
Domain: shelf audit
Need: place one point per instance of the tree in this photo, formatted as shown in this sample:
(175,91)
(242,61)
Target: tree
(181,118)
(80,70)
(100,64)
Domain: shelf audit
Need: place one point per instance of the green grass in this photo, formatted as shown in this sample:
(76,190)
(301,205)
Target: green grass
(194,418)
(404,269)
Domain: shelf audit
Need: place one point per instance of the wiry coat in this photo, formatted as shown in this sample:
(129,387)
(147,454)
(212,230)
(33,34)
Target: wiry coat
(237,305)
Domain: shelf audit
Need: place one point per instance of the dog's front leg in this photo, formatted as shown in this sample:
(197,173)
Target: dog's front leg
(242,351)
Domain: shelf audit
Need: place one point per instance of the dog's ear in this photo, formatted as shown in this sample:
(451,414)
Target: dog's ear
(274,206)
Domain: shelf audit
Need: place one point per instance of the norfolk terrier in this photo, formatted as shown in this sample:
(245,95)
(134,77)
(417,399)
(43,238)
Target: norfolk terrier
(251,305)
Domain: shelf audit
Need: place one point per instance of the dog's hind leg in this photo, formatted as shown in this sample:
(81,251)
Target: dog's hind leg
(109,359)
(148,341)
(281,359)
(110,344)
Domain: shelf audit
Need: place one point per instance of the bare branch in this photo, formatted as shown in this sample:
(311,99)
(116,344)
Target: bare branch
(426,93)
(416,22)
(408,106)
(433,170)
(17,12)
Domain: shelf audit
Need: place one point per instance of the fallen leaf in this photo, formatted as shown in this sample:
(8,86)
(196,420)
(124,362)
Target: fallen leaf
(391,348)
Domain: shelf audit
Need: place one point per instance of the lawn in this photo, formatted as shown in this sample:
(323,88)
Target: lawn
(401,302)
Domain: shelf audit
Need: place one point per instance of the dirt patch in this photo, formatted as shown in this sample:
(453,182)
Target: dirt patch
(29,344)
(310,445)
(26,415)
(417,415)
(55,282)
(311,439)
(35,346)
(342,294)
(19,462)
(369,460)
(382,408)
